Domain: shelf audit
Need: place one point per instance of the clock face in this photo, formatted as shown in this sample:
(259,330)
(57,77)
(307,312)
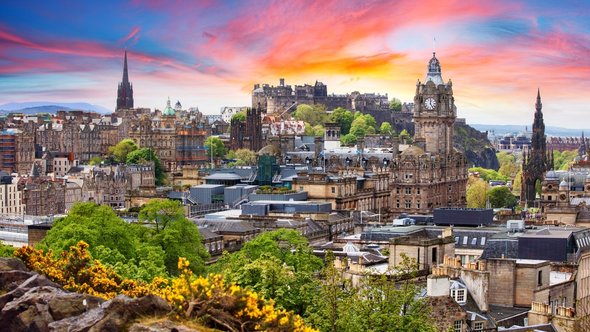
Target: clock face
(430,103)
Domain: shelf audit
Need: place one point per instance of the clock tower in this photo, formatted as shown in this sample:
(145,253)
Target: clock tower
(434,110)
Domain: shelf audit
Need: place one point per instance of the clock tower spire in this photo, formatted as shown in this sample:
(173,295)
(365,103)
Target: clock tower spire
(434,110)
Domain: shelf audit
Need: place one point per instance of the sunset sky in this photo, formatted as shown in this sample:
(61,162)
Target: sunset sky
(208,54)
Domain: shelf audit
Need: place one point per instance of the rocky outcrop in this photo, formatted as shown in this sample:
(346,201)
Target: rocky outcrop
(475,145)
(31,302)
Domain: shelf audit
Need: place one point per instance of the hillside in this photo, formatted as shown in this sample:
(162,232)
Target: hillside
(49,107)
(476,146)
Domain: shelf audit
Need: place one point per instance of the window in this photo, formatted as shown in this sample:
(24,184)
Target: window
(474,241)
(465,240)
(333,190)
(483,241)
(408,191)
(408,204)
(540,278)
(478,326)
(458,326)
(417,191)
(456,240)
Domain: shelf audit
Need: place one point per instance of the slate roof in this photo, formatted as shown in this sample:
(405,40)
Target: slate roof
(498,248)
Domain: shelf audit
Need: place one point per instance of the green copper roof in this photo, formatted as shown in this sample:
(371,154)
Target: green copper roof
(168,110)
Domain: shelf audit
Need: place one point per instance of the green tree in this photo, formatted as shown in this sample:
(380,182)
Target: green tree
(488,174)
(348,140)
(245,157)
(501,197)
(563,160)
(95,161)
(122,149)
(6,250)
(279,264)
(386,128)
(147,155)
(313,114)
(240,116)
(377,303)
(395,105)
(344,118)
(174,233)
(319,130)
(517,184)
(404,137)
(477,190)
(216,145)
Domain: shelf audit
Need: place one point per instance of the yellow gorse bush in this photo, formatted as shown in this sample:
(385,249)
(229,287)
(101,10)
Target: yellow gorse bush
(208,299)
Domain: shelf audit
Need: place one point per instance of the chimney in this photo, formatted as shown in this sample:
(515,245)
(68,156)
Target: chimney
(437,285)
(281,82)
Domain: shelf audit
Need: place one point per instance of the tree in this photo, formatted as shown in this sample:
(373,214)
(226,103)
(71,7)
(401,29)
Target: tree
(517,184)
(215,144)
(240,116)
(477,193)
(386,128)
(395,105)
(348,140)
(245,157)
(319,130)
(344,118)
(313,114)
(501,197)
(563,160)
(122,149)
(279,264)
(488,174)
(174,233)
(404,137)
(147,155)
(508,167)
(95,161)
(377,302)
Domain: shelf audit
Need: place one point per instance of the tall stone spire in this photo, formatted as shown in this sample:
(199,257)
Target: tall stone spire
(125,71)
(125,89)
(538,161)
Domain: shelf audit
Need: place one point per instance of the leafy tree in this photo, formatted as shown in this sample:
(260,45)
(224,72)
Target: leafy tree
(358,130)
(386,128)
(563,160)
(476,193)
(215,144)
(517,184)
(344,118)
(377,303)
(279,264)
(488,174)
(348,139)
(240,116)
(146,155)
(122,149)
(508,167)
(313,114)
(6,250)
(501,197)
(395,105)
(404,137)
(95,161)
(319,130)
(174,233)
(245,157)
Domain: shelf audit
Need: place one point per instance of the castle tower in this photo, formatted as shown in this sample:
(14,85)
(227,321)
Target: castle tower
(125,89)
(536,163)
(435,111)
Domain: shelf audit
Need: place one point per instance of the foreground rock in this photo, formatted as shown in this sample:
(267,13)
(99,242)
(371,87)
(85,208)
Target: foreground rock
(31,302)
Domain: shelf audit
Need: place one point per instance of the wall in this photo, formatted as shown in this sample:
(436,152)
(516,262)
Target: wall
(478,284)
(501,287)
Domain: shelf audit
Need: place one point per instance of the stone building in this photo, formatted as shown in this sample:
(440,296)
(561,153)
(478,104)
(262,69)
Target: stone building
(430,173)
(285,98)
(11,200)
(42,195)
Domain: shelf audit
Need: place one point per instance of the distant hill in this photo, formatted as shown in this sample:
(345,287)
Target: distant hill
(500,130)
(49,107)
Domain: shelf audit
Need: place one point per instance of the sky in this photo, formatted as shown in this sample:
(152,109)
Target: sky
(209,54)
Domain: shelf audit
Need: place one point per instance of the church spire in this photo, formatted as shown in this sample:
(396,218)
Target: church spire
(538,105)
(125,72)
(125,89)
